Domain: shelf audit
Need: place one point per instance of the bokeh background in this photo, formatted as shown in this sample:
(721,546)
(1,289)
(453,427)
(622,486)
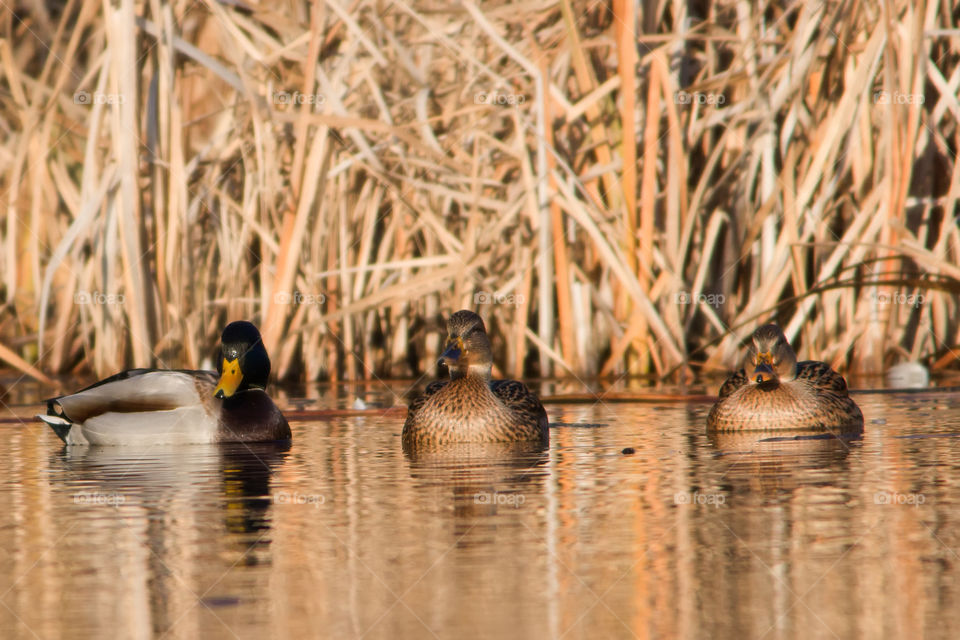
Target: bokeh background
(617,187)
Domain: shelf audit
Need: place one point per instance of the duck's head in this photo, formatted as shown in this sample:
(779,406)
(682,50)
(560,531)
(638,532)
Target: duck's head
(770,357)
(243,363)
(467,350)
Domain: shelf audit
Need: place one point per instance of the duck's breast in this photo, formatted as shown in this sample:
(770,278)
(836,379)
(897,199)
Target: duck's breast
(764,407)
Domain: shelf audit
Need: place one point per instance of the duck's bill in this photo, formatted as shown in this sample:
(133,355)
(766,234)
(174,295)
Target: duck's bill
(764,373)
(230,379)
(451,354)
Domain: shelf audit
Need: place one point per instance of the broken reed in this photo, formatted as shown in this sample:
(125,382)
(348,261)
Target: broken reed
(615,191)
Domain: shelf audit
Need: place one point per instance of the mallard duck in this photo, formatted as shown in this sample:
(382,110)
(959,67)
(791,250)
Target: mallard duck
(782,393)
(471,407)
(152,406)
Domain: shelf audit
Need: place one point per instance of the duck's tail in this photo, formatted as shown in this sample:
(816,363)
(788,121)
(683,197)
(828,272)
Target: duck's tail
(59,424)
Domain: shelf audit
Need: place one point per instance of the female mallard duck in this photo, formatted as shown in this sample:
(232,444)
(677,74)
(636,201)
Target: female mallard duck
(150,406)
(782,393)
(471,407)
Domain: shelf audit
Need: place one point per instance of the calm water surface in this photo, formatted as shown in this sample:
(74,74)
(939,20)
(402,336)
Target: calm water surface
(342,534)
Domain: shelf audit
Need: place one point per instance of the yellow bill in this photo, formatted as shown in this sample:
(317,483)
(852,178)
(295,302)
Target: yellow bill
(230,379)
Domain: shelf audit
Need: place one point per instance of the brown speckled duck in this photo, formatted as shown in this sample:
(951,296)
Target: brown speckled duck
(471,407)
(782,393)
(155,406)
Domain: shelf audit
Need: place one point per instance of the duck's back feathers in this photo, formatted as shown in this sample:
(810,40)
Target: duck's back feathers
(519,399)
(821,374)
(733,383)
(136,390)
(147,407)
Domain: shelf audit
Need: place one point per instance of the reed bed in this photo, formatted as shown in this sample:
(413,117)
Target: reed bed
(618,188)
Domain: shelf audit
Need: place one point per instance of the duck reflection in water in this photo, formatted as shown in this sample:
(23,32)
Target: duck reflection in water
(772,464)
(161,492)
(480,480)
(247,474)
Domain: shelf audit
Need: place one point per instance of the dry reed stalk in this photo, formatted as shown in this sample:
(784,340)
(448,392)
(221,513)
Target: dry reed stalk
(346,174)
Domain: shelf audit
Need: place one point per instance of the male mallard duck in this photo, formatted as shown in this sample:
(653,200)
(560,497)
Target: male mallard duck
(151,406)
(471,407)
(782,393)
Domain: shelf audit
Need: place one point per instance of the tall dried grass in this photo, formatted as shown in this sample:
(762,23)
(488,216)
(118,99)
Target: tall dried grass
(617,187)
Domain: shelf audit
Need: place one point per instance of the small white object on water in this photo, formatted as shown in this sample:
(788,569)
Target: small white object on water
(359,404)
(908,375)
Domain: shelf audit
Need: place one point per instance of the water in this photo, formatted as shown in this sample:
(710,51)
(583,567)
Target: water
(344,535)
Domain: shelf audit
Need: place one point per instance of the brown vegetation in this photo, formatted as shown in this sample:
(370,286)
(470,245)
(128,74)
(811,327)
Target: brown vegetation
(617,188)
